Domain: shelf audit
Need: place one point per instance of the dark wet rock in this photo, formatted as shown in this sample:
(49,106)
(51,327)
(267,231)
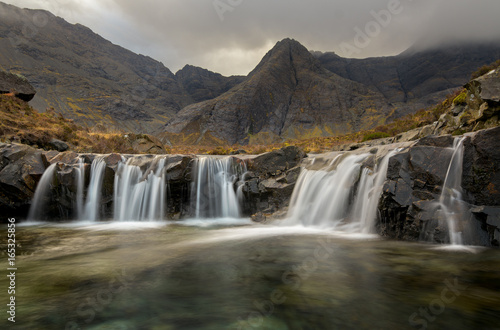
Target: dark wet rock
(178,167)
(21,167)
(481,170)
(490,215)
(271,179)
(409,203)
(429,165)
(414,181)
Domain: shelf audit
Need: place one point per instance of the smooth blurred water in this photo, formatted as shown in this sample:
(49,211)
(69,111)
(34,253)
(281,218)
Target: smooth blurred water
(159,275)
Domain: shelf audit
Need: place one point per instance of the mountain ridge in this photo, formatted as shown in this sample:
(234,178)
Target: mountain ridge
(97,83)
(273,98)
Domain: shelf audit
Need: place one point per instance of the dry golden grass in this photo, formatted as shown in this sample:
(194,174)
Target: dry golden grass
(20,122)
(323,144)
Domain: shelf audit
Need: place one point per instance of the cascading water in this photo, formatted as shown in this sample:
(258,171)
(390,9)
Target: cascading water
(321,198)
(364,211)
(80,182)
(326,198)
(138,195)
(93,202)
(39,199)
(213,194)
(451,204)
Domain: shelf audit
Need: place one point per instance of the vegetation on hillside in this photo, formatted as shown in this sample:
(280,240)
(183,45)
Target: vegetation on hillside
(322,144)
(19,122)
(485,69)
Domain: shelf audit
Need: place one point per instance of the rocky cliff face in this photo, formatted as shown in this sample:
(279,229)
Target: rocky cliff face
(84,76)
(415,181)
(415,79)
(288,95)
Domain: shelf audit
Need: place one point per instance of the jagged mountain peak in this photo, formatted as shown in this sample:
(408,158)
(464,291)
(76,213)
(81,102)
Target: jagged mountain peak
(288,53)
(288,95)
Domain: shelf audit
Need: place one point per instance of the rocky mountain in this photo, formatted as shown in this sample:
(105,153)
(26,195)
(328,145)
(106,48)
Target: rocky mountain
(417,78)
(288,95)
(202,84)
(297,94)
(91,80)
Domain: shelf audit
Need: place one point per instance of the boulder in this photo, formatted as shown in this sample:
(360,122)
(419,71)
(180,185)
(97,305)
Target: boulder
(276,162)
(17,85)
(21,167)
(269,194)
(145,144)
(58,145)
(112,160)
(178,167)
(486,87)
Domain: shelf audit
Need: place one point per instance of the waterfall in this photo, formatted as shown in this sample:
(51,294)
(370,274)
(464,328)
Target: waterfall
(364,211)
(93,202)
(344,198)
(321,198)
(213,193)
(451,204)
(80,182)
(41,192)
(138,195)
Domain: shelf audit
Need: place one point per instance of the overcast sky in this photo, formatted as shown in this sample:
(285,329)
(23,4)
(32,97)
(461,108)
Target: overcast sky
(231,36)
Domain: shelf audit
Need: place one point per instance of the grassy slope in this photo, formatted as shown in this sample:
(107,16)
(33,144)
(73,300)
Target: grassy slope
(19,122)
